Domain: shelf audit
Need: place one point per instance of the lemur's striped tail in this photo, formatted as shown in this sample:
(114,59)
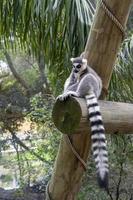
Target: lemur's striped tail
(98,140)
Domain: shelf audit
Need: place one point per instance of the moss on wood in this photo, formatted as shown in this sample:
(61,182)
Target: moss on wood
(66,115)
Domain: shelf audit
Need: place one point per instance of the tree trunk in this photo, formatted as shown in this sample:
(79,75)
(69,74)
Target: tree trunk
(101,51)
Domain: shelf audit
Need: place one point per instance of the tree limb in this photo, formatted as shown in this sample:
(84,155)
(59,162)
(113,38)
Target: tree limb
(14,72)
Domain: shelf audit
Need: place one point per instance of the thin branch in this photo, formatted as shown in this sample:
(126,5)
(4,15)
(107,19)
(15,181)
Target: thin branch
(121,173)
(110,195)
(19,142)
(119,182)
(18,159)
(30,62)
(131,197)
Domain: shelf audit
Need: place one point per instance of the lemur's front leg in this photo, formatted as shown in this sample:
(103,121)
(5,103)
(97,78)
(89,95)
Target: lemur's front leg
(70,91)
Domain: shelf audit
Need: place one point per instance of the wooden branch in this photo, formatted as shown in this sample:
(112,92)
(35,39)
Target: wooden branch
(117,117)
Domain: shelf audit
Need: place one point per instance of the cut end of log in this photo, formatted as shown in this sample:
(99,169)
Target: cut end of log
(67,115)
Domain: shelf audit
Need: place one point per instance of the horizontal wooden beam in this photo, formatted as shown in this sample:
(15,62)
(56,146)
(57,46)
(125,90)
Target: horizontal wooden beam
(71,116)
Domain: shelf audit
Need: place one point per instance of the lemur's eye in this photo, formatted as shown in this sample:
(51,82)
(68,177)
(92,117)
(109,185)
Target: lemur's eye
(78,66)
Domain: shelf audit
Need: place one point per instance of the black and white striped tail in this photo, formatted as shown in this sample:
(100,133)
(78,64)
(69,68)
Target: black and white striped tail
(98,140)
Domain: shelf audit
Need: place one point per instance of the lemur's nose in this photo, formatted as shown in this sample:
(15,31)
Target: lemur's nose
(76,70)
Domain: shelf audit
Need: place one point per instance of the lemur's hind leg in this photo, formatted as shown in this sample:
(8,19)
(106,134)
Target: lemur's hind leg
(87,85)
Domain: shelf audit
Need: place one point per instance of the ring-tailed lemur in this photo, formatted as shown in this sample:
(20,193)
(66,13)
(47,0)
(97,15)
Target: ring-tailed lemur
(85,82)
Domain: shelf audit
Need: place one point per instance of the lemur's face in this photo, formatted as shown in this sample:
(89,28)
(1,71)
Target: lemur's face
(79,64)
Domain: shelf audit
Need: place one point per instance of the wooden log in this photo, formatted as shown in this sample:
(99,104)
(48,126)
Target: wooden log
(117,116)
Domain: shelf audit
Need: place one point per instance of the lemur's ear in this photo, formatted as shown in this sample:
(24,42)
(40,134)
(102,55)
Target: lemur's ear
(72,59)
(84,61)
(82,54)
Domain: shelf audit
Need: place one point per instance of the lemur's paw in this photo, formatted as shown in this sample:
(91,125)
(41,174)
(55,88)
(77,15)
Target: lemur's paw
(72,93)
(60,97)
(65,96)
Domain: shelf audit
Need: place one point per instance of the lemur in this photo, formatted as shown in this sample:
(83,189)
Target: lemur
(85,82)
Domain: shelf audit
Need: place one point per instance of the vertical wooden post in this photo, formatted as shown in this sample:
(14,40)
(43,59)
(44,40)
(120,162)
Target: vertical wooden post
(101,51)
